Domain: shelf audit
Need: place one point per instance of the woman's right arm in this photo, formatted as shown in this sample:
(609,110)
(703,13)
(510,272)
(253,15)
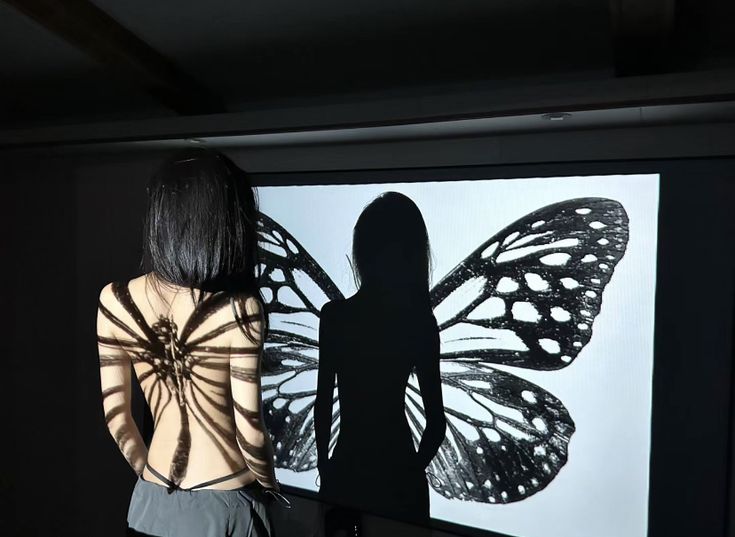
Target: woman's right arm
(246,352)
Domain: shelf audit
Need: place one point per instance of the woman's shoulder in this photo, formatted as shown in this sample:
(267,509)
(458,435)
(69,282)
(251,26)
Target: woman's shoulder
(112,292)
(134,286)
(246,303)
(329,308)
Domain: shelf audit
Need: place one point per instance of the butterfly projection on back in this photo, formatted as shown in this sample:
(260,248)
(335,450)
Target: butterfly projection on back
(525,298)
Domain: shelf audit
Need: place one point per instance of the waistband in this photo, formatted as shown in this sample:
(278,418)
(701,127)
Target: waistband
(171,486)
(254,486)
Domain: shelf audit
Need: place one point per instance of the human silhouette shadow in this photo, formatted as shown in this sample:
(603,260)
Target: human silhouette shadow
(369,344)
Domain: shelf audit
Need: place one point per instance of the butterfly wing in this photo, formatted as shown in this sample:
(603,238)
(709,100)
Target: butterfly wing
(295,288)
(527,297)
(506,437)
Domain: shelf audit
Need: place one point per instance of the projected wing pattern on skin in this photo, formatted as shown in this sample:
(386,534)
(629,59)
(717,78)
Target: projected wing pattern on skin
(187,368)
(526,298)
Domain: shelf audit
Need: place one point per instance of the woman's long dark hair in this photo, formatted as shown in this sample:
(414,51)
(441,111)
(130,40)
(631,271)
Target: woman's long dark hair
(200,228)
(390,247)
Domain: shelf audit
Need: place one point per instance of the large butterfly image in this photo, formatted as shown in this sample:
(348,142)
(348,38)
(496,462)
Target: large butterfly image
(525,298)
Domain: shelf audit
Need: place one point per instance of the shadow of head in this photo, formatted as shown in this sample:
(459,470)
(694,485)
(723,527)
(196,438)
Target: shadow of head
(390,245)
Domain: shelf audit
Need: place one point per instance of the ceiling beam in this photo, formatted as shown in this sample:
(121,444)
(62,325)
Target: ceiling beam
(642,33)
(88,28)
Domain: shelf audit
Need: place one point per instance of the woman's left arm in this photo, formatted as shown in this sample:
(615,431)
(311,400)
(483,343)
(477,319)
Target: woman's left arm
(115,378)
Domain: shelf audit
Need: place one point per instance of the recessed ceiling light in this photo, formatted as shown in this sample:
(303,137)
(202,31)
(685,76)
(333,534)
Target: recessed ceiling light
(194,140)
(556,116)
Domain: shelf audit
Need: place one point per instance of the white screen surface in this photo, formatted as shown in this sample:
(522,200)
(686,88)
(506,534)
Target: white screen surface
(602,490)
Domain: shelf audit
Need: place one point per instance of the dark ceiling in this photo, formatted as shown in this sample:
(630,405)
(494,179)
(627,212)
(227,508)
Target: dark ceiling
(76,61)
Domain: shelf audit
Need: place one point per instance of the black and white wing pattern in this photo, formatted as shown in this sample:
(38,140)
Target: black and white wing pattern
(527,298)
(295,288)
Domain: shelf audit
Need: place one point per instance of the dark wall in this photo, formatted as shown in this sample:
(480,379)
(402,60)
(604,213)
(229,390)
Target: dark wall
(110,200)
(693,369)
(77,226)
(73,230)
(40,378)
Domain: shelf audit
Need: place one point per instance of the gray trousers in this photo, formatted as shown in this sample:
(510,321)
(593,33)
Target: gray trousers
(198,513)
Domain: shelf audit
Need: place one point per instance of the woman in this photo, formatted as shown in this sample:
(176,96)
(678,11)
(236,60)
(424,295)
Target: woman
(372,342)
(193,328)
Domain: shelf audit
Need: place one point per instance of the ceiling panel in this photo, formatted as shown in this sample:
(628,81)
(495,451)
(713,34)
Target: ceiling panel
(325,52)
(29,52)
(280,48)
(43,79)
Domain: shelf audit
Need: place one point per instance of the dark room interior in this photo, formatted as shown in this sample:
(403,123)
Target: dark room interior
(603,131)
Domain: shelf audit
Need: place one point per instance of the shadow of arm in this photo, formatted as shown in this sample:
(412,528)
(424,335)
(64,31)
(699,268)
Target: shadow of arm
(325,388)
(429,377)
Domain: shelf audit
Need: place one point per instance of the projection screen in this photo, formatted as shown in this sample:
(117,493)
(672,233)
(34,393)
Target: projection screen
(574,259)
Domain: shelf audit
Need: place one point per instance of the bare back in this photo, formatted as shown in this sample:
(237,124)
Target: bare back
(201,379)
